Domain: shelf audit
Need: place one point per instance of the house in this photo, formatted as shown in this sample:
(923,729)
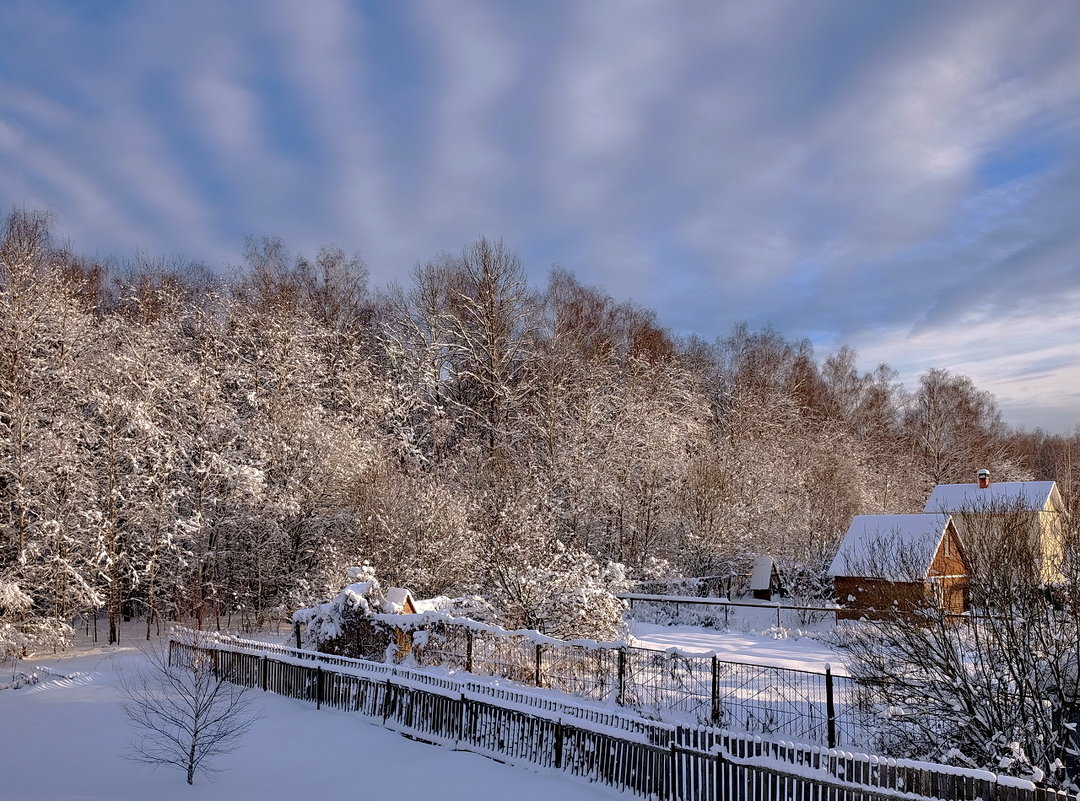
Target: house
(889,563)
(1021,508)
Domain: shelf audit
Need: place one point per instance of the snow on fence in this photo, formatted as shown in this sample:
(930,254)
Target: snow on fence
(658,761)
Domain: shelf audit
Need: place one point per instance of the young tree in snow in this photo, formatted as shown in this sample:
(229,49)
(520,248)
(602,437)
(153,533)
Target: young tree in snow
(185,710)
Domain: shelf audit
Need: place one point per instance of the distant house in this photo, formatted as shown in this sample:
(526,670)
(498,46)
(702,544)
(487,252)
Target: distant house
(984,506)
(889,563)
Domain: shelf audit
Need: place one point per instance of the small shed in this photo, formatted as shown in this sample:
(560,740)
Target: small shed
(889,563)
(764,579)
(399,601)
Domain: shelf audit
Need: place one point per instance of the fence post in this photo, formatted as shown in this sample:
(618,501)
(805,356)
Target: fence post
(620,697)
(318,686)
(468,650)
(296,633)
(778,615)
(538,674)
(265,672)
(171,643)
(830,706)
(715,691)
(558,743)
(386,701)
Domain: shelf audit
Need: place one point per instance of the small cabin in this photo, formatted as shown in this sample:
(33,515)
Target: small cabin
(890,563)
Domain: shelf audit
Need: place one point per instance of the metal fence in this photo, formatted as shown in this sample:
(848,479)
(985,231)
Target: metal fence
(666,685)
(656,761)
(720,613)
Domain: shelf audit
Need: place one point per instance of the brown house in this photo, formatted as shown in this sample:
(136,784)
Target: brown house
(890,563)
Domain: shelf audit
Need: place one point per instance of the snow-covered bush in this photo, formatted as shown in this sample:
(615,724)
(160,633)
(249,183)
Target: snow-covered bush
(344,625)
(20,633)
(571,595)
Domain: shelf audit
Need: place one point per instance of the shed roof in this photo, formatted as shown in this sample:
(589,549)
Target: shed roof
(1000,496)
(397,597)
(761,573)
(892,547)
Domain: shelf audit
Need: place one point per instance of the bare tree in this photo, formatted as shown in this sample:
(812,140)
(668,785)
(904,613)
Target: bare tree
(185,710)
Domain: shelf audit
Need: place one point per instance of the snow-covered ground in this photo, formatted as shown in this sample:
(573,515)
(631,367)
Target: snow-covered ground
(64,739)
(800,653)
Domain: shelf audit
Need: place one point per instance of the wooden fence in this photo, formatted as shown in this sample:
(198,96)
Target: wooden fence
(656,761)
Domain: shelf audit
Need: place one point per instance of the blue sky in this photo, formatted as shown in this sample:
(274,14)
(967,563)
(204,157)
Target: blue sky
(899,177)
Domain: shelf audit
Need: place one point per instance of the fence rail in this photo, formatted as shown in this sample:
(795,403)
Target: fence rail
(677,764)
(688,609)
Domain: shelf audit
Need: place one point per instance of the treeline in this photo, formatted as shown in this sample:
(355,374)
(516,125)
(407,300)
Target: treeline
(219,449)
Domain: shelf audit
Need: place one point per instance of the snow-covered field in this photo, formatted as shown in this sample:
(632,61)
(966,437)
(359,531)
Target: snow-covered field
(799,653)
(64,739)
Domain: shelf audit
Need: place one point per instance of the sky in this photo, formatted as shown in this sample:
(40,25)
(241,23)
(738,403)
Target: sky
(899,177)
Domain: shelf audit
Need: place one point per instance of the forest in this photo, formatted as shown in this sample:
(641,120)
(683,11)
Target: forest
(218,446)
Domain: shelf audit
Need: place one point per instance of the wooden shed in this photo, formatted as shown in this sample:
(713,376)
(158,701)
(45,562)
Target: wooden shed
(898,563)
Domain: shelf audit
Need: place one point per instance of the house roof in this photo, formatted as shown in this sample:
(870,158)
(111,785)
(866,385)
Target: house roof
(892,547)
(1000,496)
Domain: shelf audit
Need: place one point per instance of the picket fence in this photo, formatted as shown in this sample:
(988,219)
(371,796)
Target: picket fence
(651,760)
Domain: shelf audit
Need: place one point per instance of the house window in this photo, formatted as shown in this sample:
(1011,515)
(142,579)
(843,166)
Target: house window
(948,545)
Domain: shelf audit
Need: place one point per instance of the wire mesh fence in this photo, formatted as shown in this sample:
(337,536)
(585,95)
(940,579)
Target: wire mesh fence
(665,685)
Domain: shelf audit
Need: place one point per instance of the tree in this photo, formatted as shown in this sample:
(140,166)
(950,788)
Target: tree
(185,709)
(955,428)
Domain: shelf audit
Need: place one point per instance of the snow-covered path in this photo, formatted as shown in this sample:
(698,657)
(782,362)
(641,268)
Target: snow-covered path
(801,654)
(63,739)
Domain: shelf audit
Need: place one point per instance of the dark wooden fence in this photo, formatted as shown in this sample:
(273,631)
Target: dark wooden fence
(654,761)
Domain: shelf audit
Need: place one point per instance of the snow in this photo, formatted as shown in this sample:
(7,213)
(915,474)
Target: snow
(1001,496)
(396,598)
(893,547)
(803,653)
(72,735)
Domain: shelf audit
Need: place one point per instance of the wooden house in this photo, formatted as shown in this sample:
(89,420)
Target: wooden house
(898,563)
(1030,509)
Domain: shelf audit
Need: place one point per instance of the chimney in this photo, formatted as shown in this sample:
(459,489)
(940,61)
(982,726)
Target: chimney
(984,478)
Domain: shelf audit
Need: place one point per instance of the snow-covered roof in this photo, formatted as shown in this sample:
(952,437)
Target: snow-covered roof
(761,573)
(892,547)
(396,598)
(999,496)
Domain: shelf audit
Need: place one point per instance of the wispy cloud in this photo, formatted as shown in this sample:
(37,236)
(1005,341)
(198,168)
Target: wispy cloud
(899,177)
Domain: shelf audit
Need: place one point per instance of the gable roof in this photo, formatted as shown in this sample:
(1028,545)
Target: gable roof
(1001,496)
(397,598)
(892,547)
